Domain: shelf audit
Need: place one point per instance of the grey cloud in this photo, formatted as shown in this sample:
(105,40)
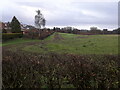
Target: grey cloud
(96,13)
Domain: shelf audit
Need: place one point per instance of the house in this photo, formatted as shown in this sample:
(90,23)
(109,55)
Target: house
(26,28)
(5,26)
(68,28)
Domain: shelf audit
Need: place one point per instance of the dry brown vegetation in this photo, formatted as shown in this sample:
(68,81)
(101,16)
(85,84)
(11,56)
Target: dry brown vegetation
(35,34)
(32,70)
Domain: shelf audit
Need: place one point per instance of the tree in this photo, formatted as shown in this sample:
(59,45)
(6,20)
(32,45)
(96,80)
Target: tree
(4,31)
(15,25)
(44,22)
(39,21)
(118,31)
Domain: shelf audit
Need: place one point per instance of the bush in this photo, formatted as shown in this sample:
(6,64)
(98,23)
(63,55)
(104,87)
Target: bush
(30,70)
(7,36)
(4,31)
(35,34)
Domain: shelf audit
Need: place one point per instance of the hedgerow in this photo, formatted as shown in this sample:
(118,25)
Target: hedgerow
(29,70)
(7,36)
(34,34)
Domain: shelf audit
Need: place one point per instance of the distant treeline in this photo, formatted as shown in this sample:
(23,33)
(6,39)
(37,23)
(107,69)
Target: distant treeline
(88,32)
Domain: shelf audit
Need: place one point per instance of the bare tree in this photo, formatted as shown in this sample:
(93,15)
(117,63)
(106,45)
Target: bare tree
(39,21)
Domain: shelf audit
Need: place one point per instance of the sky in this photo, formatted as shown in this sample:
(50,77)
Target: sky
(81,14)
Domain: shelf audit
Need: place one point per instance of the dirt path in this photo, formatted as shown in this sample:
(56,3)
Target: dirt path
(57,37)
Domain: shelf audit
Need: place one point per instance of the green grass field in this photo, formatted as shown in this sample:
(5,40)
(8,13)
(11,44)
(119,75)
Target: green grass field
(61,61)
(69,43)
(18,41)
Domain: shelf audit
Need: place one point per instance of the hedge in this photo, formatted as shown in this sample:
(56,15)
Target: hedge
(7,36)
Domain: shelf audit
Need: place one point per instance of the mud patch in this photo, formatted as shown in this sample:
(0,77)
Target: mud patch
(57,37)
(83,37)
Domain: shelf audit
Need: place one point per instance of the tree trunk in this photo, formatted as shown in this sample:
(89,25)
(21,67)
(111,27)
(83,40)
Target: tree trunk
(39,34)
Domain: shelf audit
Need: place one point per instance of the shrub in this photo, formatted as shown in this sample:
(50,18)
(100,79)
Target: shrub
(7,36)
(4,31)
(30,70)
(35,34)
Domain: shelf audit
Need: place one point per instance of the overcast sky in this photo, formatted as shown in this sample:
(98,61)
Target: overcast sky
(81,14)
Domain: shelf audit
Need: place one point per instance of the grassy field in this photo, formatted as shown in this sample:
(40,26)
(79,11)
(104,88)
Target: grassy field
(18,41)
(61,61)
(77,44)
(70,43)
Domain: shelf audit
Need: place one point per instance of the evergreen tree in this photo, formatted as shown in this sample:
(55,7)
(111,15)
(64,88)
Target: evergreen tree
(15,25)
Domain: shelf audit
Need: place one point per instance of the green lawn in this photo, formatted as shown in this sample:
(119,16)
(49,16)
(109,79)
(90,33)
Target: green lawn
(18,41)
(68,43)
(77,44)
